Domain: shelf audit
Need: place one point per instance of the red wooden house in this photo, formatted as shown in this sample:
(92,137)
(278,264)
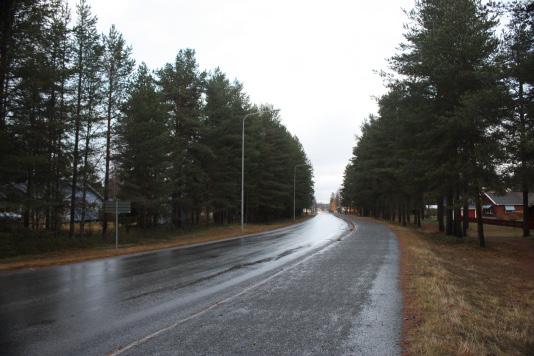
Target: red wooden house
(504,209)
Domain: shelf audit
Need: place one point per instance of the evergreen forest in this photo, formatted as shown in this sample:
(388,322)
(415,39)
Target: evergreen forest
(457,118)
(79,118)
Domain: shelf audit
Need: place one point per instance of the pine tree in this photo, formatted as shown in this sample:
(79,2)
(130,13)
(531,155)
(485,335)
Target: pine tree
(519,65)
(90,115)
(451,48)
(118,66)
(226,106)
(273,154)
(86,42)
(182,85)
(436,131)
(180,135)
(28,90)
(144,139)
(60,51)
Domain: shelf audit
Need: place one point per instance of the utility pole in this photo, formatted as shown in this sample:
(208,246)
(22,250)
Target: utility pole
(243,174)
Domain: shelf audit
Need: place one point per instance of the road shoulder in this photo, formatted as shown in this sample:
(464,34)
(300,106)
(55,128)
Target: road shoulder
(461,299)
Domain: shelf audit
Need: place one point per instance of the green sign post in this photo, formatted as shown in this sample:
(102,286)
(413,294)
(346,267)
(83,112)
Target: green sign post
(117,207)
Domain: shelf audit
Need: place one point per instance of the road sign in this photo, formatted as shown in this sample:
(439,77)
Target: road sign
(117,206)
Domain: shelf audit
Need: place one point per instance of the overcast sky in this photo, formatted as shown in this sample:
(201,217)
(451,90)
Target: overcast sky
(316,61)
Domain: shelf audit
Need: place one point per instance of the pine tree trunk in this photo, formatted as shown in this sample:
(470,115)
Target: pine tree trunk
(85,177)
(466,216)
(58,204)
(142,218)
(526,230)
(458,222)
(27,206)
(441,223)
(82,217)
(7,15)
(458,217)
(480,224)
(74,179)
(75,155)
(57,191)
(449,216)
(523,138)
(29,179)
(52,128)
(108,155)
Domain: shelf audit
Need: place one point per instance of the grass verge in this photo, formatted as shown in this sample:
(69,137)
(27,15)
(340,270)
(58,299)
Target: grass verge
(463,300)
(63,250)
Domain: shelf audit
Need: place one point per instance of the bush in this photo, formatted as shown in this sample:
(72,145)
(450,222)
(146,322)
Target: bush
(27,242)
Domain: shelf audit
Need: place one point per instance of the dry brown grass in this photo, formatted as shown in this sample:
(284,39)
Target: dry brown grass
(464,300)
(215,233)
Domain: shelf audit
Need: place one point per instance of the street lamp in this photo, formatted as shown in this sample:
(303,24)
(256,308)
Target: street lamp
(294,188)
(243,167)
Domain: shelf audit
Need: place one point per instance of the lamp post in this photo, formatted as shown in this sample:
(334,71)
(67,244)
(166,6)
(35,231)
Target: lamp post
(243,167)
(294,188)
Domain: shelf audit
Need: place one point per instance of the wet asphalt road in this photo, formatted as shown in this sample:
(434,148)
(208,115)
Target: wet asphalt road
(294,291)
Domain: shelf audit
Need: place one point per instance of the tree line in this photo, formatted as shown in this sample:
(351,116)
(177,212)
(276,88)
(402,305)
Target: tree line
(457,119)
(76,112)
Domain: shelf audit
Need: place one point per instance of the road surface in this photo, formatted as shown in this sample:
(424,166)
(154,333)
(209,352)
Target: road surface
(298,290)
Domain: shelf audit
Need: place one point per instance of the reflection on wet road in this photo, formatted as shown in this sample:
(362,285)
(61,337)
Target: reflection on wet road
(95,307)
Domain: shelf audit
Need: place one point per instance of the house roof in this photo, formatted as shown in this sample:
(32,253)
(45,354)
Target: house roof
(19,189)
(510,198)
(89,188)
(11,190)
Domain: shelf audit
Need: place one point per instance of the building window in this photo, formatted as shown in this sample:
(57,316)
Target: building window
(509,209)
(487,210)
